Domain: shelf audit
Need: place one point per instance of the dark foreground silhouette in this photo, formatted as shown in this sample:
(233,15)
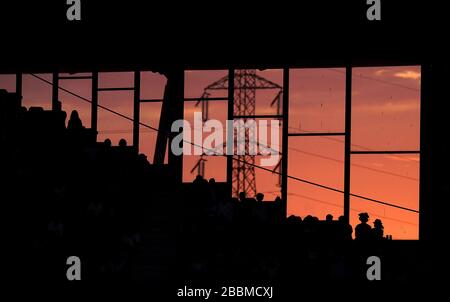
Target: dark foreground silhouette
(66,194)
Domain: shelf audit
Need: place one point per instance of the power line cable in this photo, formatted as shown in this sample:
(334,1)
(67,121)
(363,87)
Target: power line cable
(234,158)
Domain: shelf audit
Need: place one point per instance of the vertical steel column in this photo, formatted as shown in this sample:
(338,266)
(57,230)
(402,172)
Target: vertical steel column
(347,156)
(427,102)
(175,82)
(285,140)
(230,138)
(55,91)
(94,103)
(136,111)
(19,86)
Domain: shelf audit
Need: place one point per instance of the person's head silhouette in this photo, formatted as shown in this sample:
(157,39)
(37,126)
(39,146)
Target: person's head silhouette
(74,115)
(260,197)
(378,224)
(329,218)
(363,217)
(198,179)
(122,142)
(142,158)
(75,121)
(107,143)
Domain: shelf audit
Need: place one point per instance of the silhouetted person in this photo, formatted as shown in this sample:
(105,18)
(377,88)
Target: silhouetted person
(294,226)
(329,218)
(363,231)
(345,229)
(143,162)
(58,106)
(328,229)
(378,230)
(293,220)
(107,143)
(310,227)
(58,117)
(260,197)
(242,197)
(75,121)
(199,180)
(122,143)
(213,191)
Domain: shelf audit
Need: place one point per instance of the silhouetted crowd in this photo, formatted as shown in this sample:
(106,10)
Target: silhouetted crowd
(225,237)
(126,218)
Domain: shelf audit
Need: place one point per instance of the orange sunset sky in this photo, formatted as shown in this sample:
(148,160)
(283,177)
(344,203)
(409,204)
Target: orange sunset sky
(385,116)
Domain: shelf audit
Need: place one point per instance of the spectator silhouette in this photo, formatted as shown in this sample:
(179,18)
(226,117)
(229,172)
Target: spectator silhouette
(328,229)
(58,106)
(142,158)
(59,116)
(293,220)
(242,197)
(378,230)
(199,180)
(75,121)
(107,143)
(260,197)
(345,229)
(363,231)
(213,191)
(122,143)
(329,218)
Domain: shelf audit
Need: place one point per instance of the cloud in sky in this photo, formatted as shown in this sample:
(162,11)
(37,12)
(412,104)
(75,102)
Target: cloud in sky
(380,72)
(408,74)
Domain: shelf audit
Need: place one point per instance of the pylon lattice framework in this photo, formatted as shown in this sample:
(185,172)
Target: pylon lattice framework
(246,83)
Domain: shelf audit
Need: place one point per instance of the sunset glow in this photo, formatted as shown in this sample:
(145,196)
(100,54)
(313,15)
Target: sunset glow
(385,117)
